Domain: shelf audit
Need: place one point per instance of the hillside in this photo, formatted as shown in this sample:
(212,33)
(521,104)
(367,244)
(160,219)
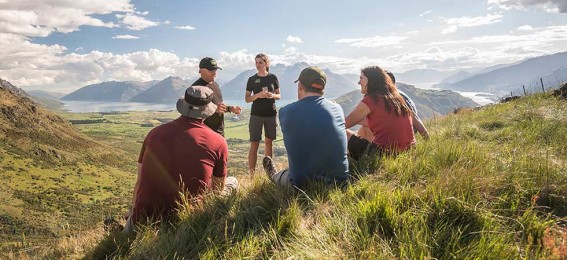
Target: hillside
(489,184)
(510,78)
(56,181)
(427,101)
(166,91)
(111,91)
(336,84)
(45,94)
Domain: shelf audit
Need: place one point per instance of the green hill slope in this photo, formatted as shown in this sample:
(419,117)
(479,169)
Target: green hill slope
(490,184)
(55,180)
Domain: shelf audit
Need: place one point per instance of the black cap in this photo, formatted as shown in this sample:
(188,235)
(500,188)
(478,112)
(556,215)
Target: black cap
(209,63)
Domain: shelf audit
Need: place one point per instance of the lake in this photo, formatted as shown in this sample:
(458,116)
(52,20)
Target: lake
(97,106)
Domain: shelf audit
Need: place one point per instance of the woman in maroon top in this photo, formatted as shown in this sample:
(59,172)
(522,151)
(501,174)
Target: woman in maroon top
(386,113)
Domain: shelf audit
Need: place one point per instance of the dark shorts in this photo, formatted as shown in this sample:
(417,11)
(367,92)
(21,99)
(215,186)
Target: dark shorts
(358,146)
(255,127)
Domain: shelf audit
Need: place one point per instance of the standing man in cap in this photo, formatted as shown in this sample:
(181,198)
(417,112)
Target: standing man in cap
(314,136)
(183,155)
(208,70)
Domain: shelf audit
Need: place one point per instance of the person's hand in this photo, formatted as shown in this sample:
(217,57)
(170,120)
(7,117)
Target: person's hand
(236,110)
(221,108)
(270,95)
(262,94)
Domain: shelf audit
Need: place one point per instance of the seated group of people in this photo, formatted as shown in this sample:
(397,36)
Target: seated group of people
(189,155)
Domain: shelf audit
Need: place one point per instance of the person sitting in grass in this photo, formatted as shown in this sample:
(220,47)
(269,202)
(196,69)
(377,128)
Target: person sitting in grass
(387,115)
(418,125)
(184,155)
(314,136)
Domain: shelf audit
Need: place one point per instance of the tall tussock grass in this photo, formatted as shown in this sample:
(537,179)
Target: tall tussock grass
(489,184)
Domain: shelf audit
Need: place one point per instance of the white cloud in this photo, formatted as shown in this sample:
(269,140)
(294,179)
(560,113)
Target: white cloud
(187,27)
(525,28)
(24,63)
(294,39)
(135,22)
(450,29)
(548,5)
(425,13)
(372,42)
(125,37)
(467,21)
(42,17)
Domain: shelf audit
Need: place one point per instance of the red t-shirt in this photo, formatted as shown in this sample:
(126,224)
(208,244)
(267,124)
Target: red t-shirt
(184,153)
(391,132)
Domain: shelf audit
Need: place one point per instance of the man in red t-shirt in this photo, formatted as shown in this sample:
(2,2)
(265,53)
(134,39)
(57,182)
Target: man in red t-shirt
(183,155)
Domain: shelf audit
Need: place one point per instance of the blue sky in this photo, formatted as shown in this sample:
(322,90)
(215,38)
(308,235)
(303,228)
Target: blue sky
(63,45)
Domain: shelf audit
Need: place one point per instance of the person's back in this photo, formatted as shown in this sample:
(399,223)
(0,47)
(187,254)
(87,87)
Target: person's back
(391,132)
(184,153)
(315,139)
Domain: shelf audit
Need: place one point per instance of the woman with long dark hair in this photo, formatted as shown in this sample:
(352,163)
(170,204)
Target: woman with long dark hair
(262,89)
(386,113)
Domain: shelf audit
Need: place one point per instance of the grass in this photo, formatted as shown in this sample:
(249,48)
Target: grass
(489,184)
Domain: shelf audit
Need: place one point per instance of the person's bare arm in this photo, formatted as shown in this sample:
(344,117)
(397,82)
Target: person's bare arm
(250,98)
(357,115)
(276,95)
(419,127)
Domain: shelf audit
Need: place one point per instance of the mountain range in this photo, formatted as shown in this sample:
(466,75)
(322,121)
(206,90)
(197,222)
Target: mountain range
(503,80)
(417,76)
(111,91)
(336,86)
(165,91)
(171,88)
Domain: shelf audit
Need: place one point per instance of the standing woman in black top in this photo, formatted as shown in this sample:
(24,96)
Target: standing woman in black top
(262,89)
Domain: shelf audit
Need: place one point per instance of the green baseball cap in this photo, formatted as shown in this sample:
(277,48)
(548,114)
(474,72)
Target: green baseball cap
(313,77)
(209,63)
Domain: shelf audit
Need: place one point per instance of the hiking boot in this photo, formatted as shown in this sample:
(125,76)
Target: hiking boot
(269,166)
(112,225)
(230,185)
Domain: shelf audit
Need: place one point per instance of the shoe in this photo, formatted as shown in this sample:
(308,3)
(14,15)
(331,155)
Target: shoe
(269,167)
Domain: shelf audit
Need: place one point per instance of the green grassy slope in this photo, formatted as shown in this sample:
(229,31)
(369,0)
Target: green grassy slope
(490,184)
(55,180)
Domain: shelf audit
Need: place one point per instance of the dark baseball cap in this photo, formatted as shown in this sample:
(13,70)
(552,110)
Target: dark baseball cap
(313,77)
(209,63)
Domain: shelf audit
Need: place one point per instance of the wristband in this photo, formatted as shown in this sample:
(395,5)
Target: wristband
(228,109)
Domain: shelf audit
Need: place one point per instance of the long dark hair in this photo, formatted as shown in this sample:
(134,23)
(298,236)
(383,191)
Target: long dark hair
(264,57)
(380,85)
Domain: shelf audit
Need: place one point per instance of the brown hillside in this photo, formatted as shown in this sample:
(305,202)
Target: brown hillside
(34,131)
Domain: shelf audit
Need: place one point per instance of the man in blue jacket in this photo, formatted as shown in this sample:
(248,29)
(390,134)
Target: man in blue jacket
(314,136)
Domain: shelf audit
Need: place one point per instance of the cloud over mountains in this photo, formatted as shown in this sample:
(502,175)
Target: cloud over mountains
(549,5)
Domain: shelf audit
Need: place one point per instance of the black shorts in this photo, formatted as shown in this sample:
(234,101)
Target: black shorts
(358,146)
(255,127)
